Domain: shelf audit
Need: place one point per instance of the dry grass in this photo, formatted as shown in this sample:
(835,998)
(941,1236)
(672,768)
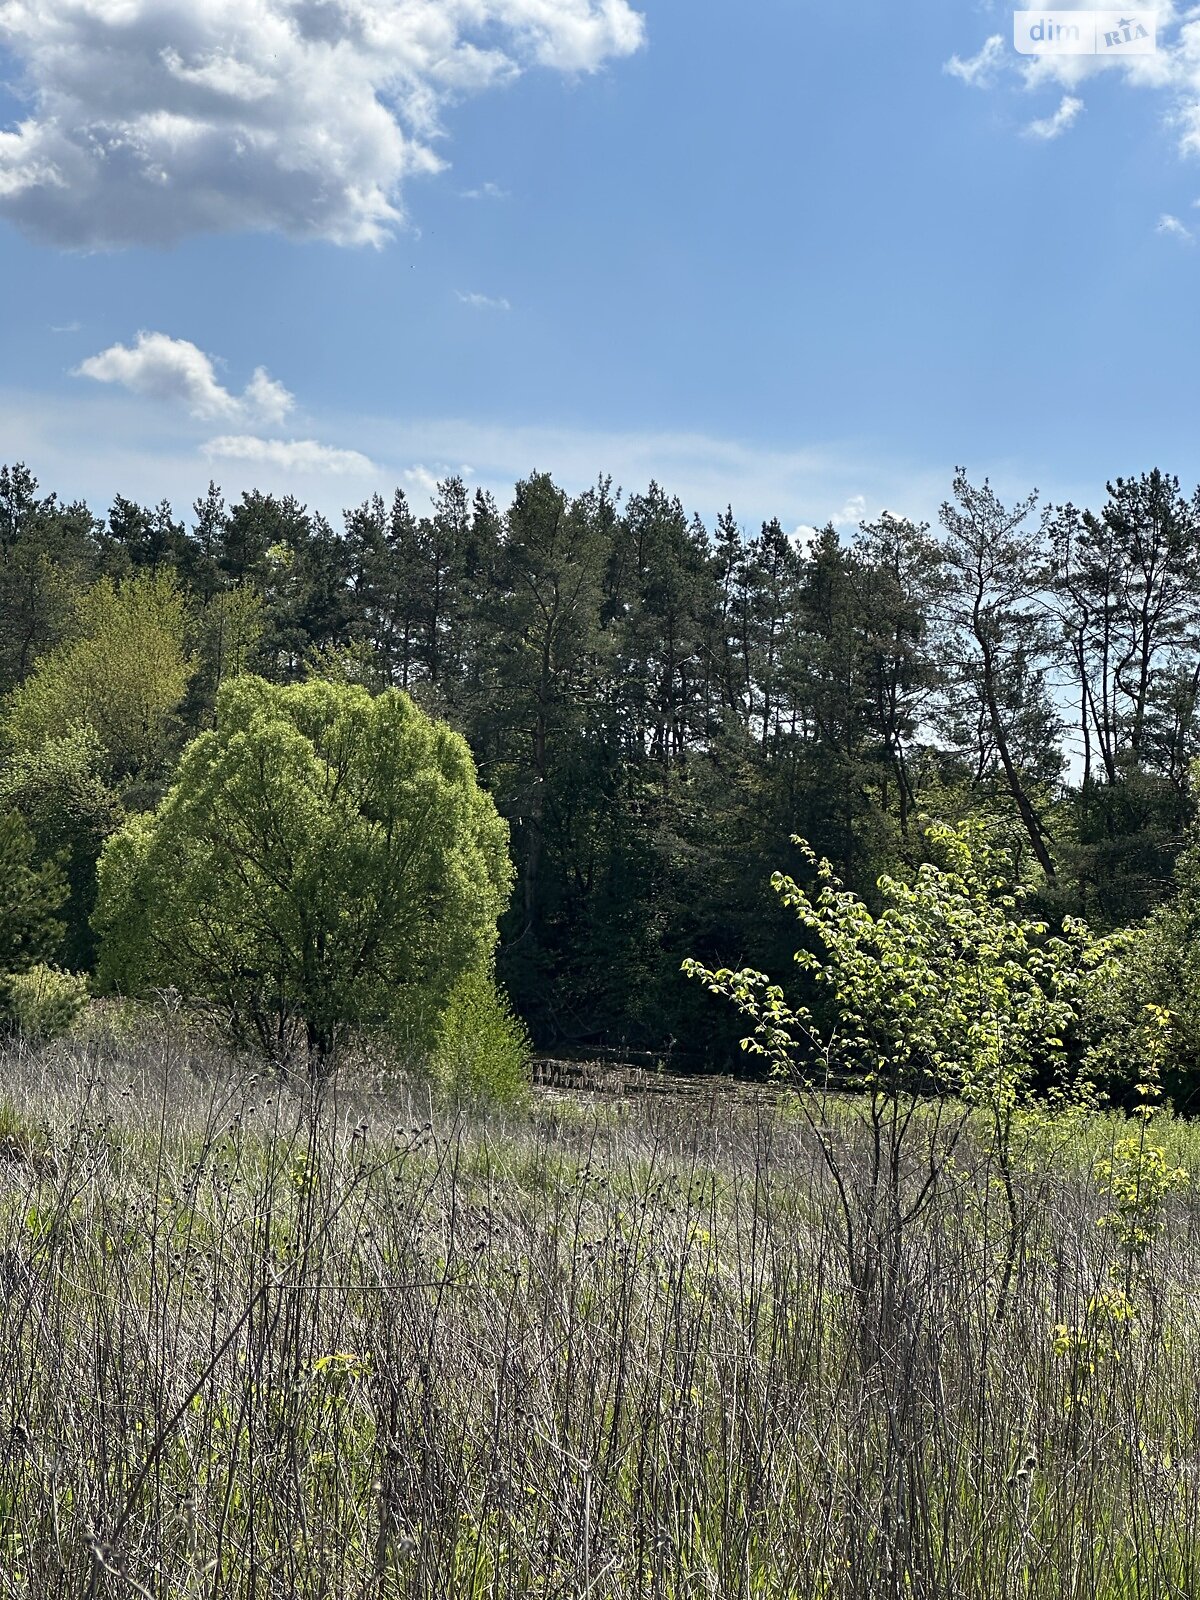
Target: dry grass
(253,1347)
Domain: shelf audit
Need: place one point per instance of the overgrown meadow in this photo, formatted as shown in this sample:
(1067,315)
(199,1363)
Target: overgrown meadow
(765,1343)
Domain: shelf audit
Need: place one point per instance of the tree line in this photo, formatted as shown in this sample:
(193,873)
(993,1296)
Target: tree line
(656,706)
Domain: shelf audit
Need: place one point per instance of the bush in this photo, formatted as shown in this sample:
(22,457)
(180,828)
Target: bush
(482,1051)
(46,1003)
(1156,963)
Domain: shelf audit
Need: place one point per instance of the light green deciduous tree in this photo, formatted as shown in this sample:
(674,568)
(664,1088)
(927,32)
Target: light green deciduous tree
(121,678)
(325,862)
(950,990)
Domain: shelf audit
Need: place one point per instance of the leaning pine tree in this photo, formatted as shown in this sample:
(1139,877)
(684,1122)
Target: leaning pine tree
(324,864)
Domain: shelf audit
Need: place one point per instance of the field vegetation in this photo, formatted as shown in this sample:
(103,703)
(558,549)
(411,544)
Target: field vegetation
(768,1343)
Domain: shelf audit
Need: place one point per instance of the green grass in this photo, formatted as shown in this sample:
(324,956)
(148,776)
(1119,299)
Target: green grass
(250,1346)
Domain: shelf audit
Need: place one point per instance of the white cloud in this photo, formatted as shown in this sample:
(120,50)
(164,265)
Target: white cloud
(149,120)
(1157,70)
(485,191)
(159,368)
(979,70)
(1050,127)
(1173,228)
(266,398)
(291,455)
(175,369)
(1186,73)
(420,478)
(484,302)
(1172,71)
(853,511)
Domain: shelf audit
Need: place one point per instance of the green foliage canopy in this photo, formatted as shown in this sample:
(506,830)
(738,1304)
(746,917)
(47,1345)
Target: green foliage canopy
(950,987)
(1158,965)
(325,861)
(122,678)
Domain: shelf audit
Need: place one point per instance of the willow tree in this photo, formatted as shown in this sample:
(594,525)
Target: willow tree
(325,862)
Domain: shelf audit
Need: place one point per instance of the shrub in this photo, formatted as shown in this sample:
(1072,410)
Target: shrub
(45,1003)
(1156,963)
(952,990)
(482,1051)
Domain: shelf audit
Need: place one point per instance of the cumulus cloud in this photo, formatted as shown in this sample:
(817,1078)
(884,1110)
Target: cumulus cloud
(1050,127)
(1185,75)
(266,397)
(149,120)
(177,370)
(981,69)
(291,455)
(1172,71)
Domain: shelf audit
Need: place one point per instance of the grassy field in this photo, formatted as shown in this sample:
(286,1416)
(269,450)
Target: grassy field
(657,1346)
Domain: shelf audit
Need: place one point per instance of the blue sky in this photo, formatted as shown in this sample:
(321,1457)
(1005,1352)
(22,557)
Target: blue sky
(769,252)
